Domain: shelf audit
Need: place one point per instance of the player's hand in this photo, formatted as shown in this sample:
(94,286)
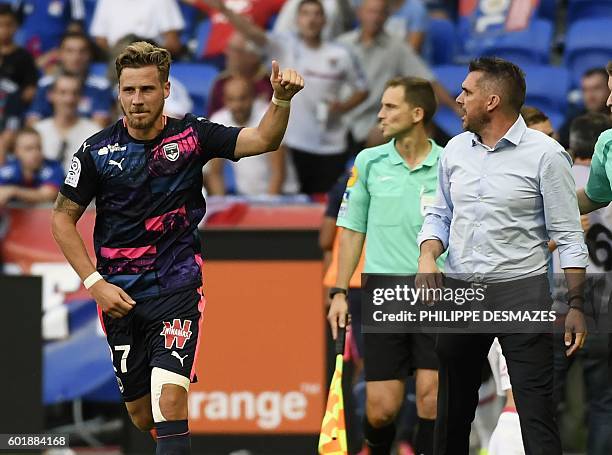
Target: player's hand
(113,300)
(574,325)
(338,313)
(428,276)
(285,83)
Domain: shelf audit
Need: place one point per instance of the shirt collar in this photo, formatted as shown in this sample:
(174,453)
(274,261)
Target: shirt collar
(381,39)
(430,160)
(512,136)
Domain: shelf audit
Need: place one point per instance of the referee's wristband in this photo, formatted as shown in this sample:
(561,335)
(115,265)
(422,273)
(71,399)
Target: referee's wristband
(92,279)
(280,103)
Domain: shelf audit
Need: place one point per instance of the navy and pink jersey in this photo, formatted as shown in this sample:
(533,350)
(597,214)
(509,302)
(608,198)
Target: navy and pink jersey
(149,201)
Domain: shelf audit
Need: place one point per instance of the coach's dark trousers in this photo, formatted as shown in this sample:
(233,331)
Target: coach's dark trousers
(530,364)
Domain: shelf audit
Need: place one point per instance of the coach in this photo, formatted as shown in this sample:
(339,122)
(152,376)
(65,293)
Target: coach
(504,190)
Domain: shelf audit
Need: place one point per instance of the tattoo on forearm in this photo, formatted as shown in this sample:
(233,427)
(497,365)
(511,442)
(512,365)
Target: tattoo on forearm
(70,208)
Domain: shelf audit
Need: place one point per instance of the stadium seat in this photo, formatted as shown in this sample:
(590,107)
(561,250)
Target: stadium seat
(440,42)
(547,9)
(201,35)
(586,46)
(529,46)
(547,88)
(197,78)
(190,16)
(451,77)
(588,9)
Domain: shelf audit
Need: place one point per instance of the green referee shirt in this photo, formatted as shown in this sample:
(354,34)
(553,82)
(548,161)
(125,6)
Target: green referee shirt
(386,200)
(599,186)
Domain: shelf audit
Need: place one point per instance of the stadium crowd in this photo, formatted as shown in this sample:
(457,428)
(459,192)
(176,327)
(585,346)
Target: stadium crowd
(58,87)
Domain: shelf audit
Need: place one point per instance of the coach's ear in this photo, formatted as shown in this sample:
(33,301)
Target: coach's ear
(493,102)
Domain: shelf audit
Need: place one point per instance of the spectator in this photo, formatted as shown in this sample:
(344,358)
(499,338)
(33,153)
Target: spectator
(17,65)
(537,120)
(29,178)
(257,175)
(383,57)
(339,17)
(595,92)
(316,135)
(10,116)
(160,20)
(258,11)
(409,20)
(45,21)
(64,133)
(242,58)
(96,97)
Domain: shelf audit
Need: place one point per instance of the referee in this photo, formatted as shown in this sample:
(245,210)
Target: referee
(598,190)
(504,191)
(384,198)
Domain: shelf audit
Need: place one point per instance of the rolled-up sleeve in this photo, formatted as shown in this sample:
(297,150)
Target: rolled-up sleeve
(438,216)
(561,209)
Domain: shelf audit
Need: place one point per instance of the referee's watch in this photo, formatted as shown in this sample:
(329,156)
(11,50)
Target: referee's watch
(334,291)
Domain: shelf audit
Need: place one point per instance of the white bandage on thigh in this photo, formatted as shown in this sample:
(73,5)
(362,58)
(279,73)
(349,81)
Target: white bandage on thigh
(159,377)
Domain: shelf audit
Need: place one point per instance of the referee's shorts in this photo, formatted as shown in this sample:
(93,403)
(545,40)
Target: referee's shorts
(390,356)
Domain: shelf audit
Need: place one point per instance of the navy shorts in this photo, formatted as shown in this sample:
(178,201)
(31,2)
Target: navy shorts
(161,332)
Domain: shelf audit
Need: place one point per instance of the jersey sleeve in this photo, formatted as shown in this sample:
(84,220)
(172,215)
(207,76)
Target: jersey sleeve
(81,182)
(598,186)
(216,140)
(355,206)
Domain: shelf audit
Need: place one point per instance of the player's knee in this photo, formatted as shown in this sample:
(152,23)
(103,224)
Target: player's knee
(173,402)
(142,420)
(168,395)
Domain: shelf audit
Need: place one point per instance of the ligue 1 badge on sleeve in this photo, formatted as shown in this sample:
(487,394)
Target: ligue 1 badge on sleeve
(171,151)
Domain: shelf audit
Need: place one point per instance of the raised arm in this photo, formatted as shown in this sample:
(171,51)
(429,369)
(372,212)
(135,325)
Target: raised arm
(267,136)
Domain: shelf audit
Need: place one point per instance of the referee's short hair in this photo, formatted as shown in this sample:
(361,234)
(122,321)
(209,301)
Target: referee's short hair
(506,75)
(418,92)
(584,132)
(141,54)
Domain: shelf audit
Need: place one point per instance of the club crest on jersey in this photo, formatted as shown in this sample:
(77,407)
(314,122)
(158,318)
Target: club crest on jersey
(171,151)
(176,333)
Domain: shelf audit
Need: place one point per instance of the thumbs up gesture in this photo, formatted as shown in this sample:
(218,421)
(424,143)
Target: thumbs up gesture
(286,83)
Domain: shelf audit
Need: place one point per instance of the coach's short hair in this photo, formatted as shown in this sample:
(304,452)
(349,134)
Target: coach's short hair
(584,132)
(509,77)
(141,54)
(533,115)
(418,92)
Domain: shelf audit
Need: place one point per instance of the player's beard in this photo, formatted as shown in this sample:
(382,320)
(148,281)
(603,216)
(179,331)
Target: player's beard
(145,123)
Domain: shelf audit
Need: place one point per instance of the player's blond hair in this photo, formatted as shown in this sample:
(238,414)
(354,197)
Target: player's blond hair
(140,54)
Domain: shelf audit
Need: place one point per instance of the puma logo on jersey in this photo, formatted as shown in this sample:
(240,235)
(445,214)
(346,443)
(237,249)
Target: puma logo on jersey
(176,354)
(115,163)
